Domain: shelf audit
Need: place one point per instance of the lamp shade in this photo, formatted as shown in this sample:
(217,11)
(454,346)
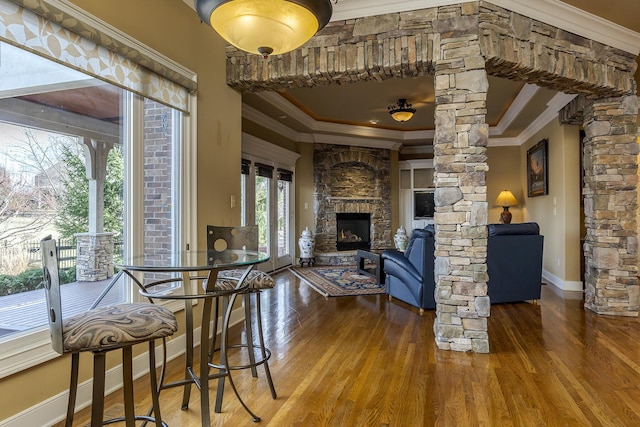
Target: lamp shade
(401,112)
(265,26)
(506,199)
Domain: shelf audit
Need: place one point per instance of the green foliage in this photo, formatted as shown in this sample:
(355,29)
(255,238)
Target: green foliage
(74,201)
(30,280)
(262,216)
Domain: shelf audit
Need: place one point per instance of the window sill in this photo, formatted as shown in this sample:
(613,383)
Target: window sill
(25,350)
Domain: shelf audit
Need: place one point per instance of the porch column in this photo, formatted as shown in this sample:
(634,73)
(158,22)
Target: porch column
(461,136)
(94,256)
(610,206)
(95,249)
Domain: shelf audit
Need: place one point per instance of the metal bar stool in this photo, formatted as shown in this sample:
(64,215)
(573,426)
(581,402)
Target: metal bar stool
(219,239)
(99,331)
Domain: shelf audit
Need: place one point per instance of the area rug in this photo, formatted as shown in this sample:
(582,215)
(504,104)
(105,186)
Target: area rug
(338,281)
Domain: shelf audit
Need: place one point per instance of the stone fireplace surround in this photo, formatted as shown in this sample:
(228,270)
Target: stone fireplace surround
(350,179)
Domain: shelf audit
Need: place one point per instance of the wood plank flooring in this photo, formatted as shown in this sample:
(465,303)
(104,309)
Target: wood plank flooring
(365,361)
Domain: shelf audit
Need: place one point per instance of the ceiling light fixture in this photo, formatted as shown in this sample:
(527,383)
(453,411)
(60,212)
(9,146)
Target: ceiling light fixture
(401,112)
(267,27)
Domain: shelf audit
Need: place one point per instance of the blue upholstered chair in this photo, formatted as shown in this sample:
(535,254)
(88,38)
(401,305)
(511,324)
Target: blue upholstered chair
(514,262)
(410,275)
(100,331)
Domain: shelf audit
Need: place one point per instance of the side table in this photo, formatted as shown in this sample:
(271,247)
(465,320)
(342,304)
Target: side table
(374,256)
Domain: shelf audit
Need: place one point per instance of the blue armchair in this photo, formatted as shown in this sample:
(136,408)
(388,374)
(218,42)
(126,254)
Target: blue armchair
(514,262)
(409,275)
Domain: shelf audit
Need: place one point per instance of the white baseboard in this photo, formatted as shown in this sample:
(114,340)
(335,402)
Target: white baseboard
(53,410)
(565,285)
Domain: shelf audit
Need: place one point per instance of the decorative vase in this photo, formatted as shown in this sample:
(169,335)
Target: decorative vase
(400,239)
(307,244)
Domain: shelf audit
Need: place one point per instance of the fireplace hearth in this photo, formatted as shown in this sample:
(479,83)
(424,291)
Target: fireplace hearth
(353,231)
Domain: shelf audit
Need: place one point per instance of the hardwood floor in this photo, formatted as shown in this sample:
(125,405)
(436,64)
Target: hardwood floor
(365,361)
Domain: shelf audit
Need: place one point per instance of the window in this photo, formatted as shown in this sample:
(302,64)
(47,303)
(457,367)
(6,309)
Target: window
(52,119)
(267,194)
(283,212)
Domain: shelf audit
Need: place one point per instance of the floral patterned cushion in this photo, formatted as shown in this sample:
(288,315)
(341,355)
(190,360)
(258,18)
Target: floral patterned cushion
(116,326)
(228,279)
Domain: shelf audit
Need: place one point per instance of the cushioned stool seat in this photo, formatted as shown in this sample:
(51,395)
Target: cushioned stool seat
(227,279)
(105,328)
(99,331)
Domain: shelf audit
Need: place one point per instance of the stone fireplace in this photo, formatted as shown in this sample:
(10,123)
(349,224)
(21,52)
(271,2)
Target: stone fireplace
(354,181)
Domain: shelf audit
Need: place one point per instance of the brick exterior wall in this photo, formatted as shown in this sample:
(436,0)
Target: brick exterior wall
(158,170)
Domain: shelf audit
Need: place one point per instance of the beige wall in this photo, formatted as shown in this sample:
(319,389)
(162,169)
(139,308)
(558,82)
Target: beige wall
(395,192)
(173,29)
(504,174)
(304,191)
(558,213)
(507,170)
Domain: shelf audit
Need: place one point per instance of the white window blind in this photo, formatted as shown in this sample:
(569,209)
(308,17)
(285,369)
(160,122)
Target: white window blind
(36,26)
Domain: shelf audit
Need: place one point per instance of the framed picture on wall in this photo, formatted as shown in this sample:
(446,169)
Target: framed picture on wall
(537,169)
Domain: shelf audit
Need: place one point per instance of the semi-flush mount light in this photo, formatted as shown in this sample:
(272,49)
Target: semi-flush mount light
(401,112)
(266,26)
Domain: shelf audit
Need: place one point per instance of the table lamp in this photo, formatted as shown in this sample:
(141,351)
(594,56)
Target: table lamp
(506,199)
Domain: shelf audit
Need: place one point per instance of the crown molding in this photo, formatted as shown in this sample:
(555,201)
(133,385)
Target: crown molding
(262,119)
(278,101)
(577,21)
(518,104)
(351,9)
(362,136)
(267,151)
(504,142)
(553,106)
(338,138)
(295,113)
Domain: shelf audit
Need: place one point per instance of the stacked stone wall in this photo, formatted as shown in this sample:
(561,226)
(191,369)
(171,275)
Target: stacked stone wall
(610,200)
(520,48)
(336,190)
(460,143)
(396,45)
(94,256)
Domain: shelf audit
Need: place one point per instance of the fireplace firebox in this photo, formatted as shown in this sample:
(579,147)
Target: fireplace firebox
(353,231)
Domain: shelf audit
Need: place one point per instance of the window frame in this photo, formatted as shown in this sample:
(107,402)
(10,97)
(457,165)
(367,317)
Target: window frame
(23,350)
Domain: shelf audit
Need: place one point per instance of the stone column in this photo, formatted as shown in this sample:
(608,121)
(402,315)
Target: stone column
(462,304)
(610,206)
(94,256)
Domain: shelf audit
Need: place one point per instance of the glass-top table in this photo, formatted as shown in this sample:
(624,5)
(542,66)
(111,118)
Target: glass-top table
(166,261)
(201,266)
